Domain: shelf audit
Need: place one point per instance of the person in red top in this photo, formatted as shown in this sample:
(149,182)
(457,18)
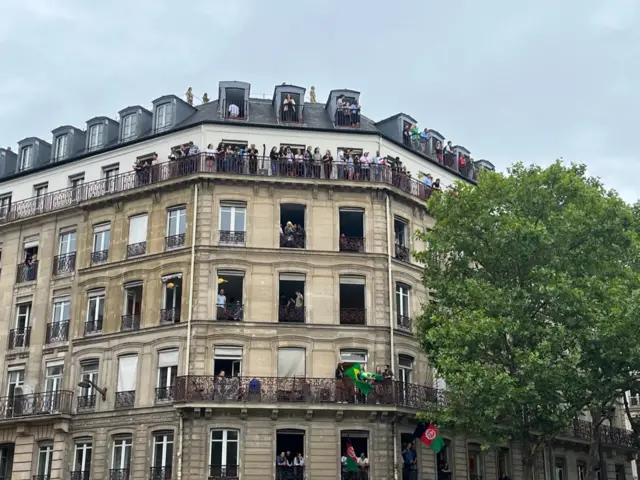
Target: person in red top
(462,162)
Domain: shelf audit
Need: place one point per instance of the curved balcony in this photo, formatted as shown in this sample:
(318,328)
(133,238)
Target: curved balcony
(201,163)
(269,390)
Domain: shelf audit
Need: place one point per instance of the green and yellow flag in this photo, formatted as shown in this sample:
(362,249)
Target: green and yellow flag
(354,373)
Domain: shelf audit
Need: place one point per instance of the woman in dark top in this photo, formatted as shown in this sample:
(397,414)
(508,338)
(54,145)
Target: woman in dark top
(327,162)
(341,392)
(273,159)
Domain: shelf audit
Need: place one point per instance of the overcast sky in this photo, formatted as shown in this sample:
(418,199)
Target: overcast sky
(510,81)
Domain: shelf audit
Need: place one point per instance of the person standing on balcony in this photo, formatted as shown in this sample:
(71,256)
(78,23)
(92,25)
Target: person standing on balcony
(234,111)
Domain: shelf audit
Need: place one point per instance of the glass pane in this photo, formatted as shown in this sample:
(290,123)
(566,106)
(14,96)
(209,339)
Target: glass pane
(232,453)
(216,453)
(183,222)
(127,456)
(216,435)
(158,452)
(239,220)
(169,455)
(87,461)
(100,308)
(225,219)
(232,435)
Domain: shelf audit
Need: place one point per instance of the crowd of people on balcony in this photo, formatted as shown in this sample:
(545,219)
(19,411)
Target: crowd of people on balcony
(347,112)
(289,467)
(346,392)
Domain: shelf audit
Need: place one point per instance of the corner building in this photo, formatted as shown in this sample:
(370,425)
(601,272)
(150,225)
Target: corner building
(128,292)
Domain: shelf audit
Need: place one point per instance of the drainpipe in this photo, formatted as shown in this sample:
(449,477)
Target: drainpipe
(390,244)
(189,317)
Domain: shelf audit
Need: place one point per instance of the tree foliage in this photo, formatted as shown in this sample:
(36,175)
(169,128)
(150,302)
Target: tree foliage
(536,318)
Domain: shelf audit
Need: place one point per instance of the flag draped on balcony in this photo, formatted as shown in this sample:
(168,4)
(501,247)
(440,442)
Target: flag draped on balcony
(430,436)
(354,372)
(352,460)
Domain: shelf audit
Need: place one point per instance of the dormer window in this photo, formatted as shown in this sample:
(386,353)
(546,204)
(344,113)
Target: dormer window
(96,136)
(129,126)
(61,147)
(290,108)
(235,105)
(163,117)
(26,157)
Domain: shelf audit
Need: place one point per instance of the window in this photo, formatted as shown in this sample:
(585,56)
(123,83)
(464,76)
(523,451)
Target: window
(127,379)
(23,315)
(52,385)
(6,460)
(227,361)
(292,362)
(349,357)
(19,336)
(351,230)
(475,459)
(225,453)
(67,243)
(15,378)
(41,189)
(405,368)
(559,463)
(61,309)
(101,241)
(163,116)
(620,473)
(87,395)
(95,312)
(129,126)
(121,459)
(176,221)
(26,158)
(582,470)
(167,373)
(82,459)
(5,204)
(171,298)
(137,235)
(232,222)
(75,182)
(132,309)
(403,307)
(162,456)
(110,171)
(45,457)
(352,300)
(96,136)
(60,147)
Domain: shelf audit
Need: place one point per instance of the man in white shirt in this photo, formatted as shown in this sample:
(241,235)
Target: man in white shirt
(234,111)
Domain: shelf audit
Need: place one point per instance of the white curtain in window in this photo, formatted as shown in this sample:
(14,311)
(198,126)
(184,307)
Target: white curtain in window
(138,229)
(291,362)
(127,373)
(168,358)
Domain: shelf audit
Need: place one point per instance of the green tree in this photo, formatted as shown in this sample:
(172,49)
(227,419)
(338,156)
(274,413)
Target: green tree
(527,271)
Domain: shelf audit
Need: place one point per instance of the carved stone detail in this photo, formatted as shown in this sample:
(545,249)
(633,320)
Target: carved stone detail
(274,414)
(309,415)
(339,415)
(244,414)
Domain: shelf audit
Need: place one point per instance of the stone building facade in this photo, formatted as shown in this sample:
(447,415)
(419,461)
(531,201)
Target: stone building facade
(125,296)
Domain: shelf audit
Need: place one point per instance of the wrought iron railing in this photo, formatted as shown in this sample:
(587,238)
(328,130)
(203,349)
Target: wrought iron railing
(292,240)
(353,316)
(45,403)
(230,237)
(229,313)
(170,315)
(224,472)
(86,402)
(402,253)
(165,394)
(287,314)
(80,475)
(160,473)
(201,163)
(404,322)
(125,399)
(293,472)
(608,435)
(93,326)
(130,322)
(136,249)
(174,241)
(19,338)
(42,477)
(57,332)
(99,257)
(301,390)
(64,263)
(27,272)
(351,244)
(119,474)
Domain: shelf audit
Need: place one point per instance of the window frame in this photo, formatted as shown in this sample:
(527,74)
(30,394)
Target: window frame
(233,208)
(89,370)
(180,211)
(59,305)
(72,241)
(27,315)
(122,442)
(99,297)
(129,122)
(163,118)
(403,292)
(95,137)
(172,370)
(167,439)
(61,140)
(224,441)
(86,447)
(26,158)
(355,351)
(47,450)
(102,230)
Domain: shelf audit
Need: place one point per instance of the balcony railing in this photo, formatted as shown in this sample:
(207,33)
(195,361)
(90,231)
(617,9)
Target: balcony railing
(45,403)
(80,475)
(229,237)
(74,196)
(288,314)
(160,473)
(194,389)
(361,474)
(404,322)
(174,241)
(230,313)
(165,394)
(41,477)
(57,332)
(351,244)
(292,240)
(125,399)
(170,315)
(224,472)
(19,337)
(347,117)
(119,474)
(136,249)
(130,322)
(64,263)
(292,472)
(93,326)
(243,109)
(86,402)
(402,253)
(353,316)
(99,257)
(608,435)
(27,272)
